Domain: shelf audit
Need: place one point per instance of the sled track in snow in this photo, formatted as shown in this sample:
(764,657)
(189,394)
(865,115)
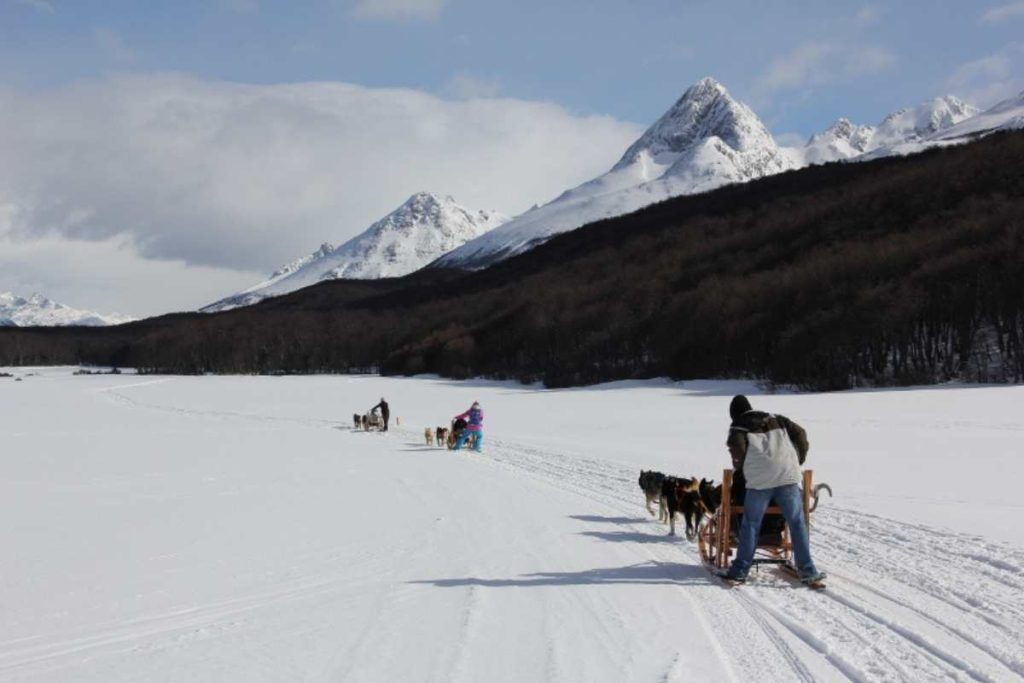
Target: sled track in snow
(905,602)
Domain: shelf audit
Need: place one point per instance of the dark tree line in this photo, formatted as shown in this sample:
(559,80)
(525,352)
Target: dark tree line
(895,271)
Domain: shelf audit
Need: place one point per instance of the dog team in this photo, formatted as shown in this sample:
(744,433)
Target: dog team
(466,431)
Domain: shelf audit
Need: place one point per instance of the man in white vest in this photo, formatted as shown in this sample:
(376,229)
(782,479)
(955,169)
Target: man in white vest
(769,450)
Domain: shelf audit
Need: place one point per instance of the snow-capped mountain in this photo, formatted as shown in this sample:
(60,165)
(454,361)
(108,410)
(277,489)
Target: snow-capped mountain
(37,310)
(844,140)
(416,233)
(922,121)
(705,140)
(1006,115)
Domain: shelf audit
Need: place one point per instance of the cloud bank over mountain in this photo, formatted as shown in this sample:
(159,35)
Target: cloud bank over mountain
(230,176)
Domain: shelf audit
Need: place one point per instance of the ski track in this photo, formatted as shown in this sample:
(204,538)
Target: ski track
(905,602)
(944,630)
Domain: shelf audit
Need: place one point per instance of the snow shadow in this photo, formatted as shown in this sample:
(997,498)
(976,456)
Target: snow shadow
(609,520)
(630,537)
(653,573)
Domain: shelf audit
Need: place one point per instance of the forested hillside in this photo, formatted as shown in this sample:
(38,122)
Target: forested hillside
(894,271)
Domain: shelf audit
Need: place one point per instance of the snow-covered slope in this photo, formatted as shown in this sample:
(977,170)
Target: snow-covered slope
(423,228)
(922,121)
(231,528)
(842,140)
(37,310)
(707,139)
(1007,115)
(845,140)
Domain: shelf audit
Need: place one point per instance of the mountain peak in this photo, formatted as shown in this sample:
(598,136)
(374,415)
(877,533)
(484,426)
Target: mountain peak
(424,204)
(39,311)
(705,86)
(426,199)
(926,119)
(843,127)
(842,140)
(704,111)
(705,140)
(421,229)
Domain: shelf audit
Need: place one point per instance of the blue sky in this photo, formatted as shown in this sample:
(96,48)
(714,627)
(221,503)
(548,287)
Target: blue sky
(160,155)
(625,59)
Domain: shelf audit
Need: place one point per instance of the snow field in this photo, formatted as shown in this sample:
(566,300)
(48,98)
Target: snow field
(236,528)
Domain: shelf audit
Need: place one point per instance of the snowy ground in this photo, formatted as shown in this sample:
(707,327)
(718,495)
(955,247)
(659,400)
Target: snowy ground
(212,529)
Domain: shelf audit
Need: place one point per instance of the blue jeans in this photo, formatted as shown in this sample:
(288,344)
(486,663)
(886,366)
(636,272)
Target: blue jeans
(790,500)
(465,436)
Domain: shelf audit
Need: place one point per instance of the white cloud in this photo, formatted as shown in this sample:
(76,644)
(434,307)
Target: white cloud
(816,64)
(790,139)
(109,276)
(44,6)
(113,45)
(398,9)
(1003,12)
(244,177)
(466,86)
(990,79)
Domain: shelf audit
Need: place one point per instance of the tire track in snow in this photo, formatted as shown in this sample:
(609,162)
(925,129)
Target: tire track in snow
(1013,664)
(610,484)
(584,477)
(467,632)
(166,623)
(920,641)
(114,393)
(853,631)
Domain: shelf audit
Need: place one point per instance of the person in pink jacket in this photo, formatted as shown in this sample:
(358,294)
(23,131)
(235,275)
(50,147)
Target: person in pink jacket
(474,418)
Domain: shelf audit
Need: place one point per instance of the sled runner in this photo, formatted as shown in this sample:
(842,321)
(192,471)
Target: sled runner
(716,538)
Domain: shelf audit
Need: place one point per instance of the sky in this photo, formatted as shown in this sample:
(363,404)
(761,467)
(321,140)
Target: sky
(158,156)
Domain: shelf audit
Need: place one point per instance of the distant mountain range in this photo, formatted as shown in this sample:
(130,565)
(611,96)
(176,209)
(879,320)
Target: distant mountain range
(844,140)
(705,140)
(413,235)
(901,270)
(1006,115)
(38,311)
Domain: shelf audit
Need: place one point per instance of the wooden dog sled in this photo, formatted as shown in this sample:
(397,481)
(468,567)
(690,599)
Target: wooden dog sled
(717,537)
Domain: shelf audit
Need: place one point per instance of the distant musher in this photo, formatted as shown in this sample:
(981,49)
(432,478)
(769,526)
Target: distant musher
(475,427)
(769,450)
(385,412)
